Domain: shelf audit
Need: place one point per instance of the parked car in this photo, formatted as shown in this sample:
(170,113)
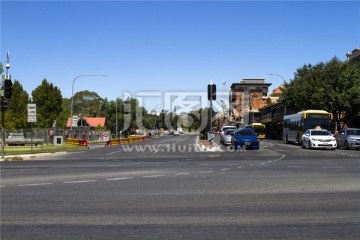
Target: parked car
(245,137)
(318,138)
(176,133)
(227,136)
(227,127)
(348,138)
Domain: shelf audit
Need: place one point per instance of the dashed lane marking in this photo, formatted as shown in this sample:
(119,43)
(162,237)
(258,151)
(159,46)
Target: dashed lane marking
(84,181)
(34,184)
(179,174)
(154,176)
(122,178)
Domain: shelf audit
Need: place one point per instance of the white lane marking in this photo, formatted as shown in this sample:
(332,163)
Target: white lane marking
(34,184)
(112,153)
(178,174)
(225,169)
(205,171)
(279,158)
(154,176)
(122,178)
(333,167)
(84,181)
(2,186)
(240,166)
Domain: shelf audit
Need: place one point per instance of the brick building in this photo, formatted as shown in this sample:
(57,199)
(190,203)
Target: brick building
(246,98)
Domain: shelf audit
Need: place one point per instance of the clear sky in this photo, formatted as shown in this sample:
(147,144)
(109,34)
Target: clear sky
(155,47)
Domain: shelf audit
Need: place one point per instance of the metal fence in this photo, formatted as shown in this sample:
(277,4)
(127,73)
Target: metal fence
(46,136)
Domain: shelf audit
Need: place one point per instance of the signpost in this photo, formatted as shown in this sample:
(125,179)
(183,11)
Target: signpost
(31,118)
(74,121)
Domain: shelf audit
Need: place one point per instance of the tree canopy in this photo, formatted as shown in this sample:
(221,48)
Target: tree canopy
(48,102)
(327,86)
(16,115)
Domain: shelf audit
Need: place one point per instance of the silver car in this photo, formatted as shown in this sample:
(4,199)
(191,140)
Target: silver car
(227,136)
(348,138)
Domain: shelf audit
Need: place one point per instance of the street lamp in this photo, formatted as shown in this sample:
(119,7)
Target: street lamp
(116,117)
(155,113)
(72,92)
(274,74)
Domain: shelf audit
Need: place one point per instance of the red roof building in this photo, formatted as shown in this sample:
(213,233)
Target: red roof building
(88,122)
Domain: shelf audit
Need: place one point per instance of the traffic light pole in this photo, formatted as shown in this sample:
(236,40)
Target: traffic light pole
(2,128)
(5,94)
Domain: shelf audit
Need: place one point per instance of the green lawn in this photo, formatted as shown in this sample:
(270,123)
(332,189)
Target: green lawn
(16,150)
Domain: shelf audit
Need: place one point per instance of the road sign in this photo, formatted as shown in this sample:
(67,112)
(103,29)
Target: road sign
(31,112)
(31,118)
(106,136)
(74,121)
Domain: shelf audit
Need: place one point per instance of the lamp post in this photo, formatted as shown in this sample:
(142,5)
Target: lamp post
(72,92)
(275,74)
(155,113)
(116,117)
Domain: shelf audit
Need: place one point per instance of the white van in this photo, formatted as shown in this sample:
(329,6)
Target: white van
(227,127)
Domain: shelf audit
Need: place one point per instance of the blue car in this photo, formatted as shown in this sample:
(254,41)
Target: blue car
(245,137)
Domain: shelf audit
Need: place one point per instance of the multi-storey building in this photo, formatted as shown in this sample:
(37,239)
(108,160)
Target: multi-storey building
(246,97)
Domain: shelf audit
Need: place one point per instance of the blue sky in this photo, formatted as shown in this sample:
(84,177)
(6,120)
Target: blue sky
(170,46)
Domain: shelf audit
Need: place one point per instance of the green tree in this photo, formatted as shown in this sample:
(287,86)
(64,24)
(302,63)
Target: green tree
(327,86)
(48,102)
(64,114)
(88,104)
(16,115)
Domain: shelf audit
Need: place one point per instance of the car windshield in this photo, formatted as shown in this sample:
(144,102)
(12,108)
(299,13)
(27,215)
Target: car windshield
(320,133)
(353,132)
(229,132)
(246,132)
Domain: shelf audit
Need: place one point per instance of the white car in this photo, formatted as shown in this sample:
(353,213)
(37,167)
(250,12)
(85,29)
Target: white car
(318,138)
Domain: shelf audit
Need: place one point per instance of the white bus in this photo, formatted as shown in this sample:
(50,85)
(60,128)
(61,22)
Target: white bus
(295,125)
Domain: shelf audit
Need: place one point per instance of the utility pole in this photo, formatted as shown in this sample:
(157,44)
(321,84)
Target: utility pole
(211,96)
(5,94)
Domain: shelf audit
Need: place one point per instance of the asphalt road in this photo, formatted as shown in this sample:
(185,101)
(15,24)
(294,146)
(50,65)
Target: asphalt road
(168,189)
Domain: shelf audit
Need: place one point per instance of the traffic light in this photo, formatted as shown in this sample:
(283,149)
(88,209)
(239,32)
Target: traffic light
(7,88)
(4,105)
(212,92)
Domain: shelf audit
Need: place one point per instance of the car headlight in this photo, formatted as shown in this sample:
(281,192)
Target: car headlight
(314,139)
(353,139)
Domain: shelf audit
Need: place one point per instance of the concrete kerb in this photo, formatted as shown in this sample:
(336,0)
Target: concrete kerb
(31,156)
(205,146)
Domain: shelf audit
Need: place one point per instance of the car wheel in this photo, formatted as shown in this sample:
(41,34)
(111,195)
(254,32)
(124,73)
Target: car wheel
(346,145)
(303,144)
(287,140)
(309,144)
